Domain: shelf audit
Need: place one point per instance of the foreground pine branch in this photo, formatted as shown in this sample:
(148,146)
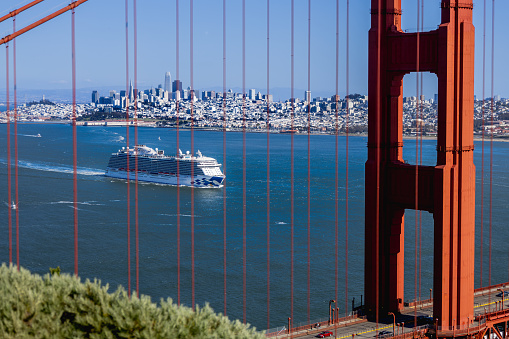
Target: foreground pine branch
(61,306)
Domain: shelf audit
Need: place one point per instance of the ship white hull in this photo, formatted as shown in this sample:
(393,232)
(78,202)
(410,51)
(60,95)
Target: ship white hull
(198,181)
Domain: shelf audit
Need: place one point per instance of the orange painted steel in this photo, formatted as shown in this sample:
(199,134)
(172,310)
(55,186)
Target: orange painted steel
(14,35)
(448,189)
(19,10)
(485,323)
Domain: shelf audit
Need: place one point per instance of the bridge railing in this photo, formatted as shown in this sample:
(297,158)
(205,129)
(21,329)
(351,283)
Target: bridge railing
(490,289)
(460,330)
(417,332)
(441,331)
(492,316)
(274,332)
(477,291)
(419,303)
(491,308)
(316,325)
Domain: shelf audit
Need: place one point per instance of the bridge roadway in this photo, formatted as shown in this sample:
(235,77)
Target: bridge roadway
(485,300)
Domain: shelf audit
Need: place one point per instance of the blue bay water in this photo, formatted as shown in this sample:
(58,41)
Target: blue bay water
(46,218)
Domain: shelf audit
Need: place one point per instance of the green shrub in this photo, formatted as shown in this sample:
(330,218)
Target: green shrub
(60,306)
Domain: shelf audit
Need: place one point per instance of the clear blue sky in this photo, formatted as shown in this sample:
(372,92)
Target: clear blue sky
(44,54)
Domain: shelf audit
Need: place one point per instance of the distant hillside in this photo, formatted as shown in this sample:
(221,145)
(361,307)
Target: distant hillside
(83,95)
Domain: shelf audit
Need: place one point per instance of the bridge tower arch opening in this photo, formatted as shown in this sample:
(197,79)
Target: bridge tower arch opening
(419,110)
(447,189)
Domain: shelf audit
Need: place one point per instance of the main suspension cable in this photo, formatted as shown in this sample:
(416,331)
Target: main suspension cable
(14,13)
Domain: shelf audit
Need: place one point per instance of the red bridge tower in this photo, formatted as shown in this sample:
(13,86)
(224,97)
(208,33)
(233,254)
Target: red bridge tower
(448,189)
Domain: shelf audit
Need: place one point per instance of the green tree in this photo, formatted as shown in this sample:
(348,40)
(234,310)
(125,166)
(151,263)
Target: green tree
(61,306)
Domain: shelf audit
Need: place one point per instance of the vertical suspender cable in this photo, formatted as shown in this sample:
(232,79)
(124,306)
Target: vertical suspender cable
(492,118)
(5,40)
(224,154)
(191,63)
(347,150)
(308,99)
(268,166)
(127,102)
(336,170)
(292,163)
(177,122)
(378,131)
(482,144)
(417,129)
(244,177)
(244,173)
(9,174)
(74,147)
(8,116)
(16,167)
(136,144)
(457,134)
(420,163)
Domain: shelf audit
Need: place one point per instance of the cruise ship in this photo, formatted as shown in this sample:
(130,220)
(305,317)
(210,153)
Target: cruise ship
(154,166)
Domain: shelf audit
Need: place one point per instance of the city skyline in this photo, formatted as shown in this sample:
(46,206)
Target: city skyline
(101,59)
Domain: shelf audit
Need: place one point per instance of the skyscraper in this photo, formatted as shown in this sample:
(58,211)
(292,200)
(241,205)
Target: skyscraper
(167,82)
(177,85)
(307,96)
(131,91)
(95,97)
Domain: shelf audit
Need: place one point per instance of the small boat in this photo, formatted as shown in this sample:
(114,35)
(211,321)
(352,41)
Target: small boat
(288,131)
(13,206)
(38,135)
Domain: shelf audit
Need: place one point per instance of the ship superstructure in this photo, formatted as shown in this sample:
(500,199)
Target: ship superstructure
(185,169)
